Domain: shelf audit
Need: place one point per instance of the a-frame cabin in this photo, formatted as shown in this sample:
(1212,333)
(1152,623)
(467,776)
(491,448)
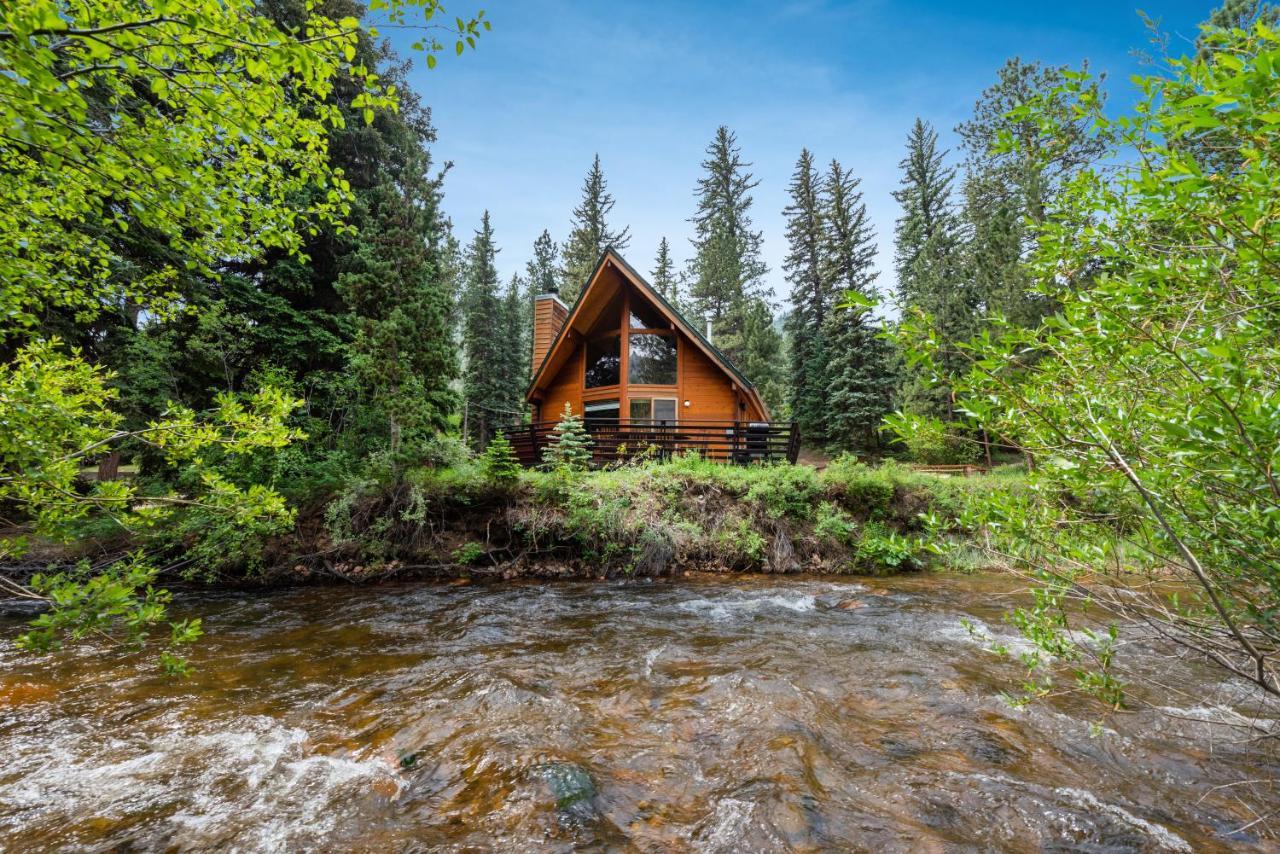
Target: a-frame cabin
(643,378)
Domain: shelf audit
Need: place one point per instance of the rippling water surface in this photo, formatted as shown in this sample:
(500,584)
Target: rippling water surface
(705,714)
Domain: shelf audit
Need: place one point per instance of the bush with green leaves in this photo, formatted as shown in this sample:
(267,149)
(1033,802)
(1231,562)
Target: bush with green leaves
(1155,387)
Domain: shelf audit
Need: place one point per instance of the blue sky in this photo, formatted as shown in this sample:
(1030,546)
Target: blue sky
(646,83)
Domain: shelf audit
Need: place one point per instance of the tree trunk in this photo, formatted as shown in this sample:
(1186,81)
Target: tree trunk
(109,467)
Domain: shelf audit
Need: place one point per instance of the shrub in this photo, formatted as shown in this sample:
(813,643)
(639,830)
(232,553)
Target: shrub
(834,525)
(881,550)
(860,487)
(467,553)
(931,442)
(783,490)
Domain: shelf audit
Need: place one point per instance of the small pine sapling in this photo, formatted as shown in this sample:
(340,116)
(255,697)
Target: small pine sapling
(570,447)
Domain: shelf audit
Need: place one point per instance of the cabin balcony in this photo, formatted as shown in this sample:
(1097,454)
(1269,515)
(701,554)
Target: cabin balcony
(620,439)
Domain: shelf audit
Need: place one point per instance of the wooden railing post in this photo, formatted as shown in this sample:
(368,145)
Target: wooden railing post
(533,445)
(793,443)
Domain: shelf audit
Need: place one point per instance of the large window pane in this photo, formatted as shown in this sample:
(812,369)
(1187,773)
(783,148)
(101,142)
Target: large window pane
(645,316)
(664,410)
(604,362)
(641,409)
(652,360)
(600,413)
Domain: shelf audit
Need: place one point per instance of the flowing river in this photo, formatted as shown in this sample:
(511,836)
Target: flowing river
(711,714)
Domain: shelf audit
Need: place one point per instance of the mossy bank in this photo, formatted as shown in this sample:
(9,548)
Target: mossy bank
(650,519)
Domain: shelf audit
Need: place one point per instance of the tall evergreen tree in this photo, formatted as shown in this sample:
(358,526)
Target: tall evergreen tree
(515,350)
(726,273)
(929,261)
(485,393)
(860,374)
(590,234)
(1010,191)
(664,274)
(811,299)
(542,271)
(541,277)
(726,266)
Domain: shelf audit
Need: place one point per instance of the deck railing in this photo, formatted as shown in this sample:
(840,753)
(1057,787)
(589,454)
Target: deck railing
(614,439)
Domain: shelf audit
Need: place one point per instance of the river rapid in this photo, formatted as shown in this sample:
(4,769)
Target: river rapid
(710,714)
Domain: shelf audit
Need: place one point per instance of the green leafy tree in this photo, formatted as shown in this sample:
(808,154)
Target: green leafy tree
(217,129)
(1010,192)
(812,299)
(860,375)
(570,446)
(196,133)
(1153,416)
(590,234)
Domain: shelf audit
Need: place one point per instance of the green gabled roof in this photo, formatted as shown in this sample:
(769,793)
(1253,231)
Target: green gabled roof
(688,328)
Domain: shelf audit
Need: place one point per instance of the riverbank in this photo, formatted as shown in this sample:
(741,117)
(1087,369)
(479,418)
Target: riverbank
(642,520)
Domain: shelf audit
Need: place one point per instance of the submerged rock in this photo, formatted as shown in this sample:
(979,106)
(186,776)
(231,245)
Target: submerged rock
(570,784)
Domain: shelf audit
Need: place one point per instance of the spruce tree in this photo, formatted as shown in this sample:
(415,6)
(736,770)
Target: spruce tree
(1010,191)
(860,374)
(929,261)
(590,234)
(664,274)
(811,300)
(726,273)
(541,270)
(516,349)
(570,446)
(402,359)
(485,389)
(500,463)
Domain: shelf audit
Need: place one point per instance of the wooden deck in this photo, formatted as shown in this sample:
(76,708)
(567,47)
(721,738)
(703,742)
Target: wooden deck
(736,442)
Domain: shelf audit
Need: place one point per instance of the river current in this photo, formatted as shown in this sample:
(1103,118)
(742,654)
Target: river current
(709,714)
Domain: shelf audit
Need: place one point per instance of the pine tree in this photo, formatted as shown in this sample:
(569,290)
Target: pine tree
(402,358)
(1010,191)
(516,349)
(664,274)
(499,462)
(590,234)
(570,445)
(929,261)
(860,374)
(726,273)
(485,392)
(811,300)
(541,271)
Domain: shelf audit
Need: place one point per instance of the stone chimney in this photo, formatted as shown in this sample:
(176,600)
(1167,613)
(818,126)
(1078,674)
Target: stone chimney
(549,314)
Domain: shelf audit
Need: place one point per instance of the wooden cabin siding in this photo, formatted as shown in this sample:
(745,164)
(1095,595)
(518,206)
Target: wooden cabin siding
(705,386)
(565,388)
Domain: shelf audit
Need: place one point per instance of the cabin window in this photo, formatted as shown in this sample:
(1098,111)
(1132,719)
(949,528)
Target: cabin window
(645,316)
(600,412)
(604,361)
(652,359)
(653,410)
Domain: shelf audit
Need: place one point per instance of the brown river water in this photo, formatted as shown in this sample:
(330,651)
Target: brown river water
(708,714)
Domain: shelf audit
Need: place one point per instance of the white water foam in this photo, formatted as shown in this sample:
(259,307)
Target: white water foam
(253,786)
